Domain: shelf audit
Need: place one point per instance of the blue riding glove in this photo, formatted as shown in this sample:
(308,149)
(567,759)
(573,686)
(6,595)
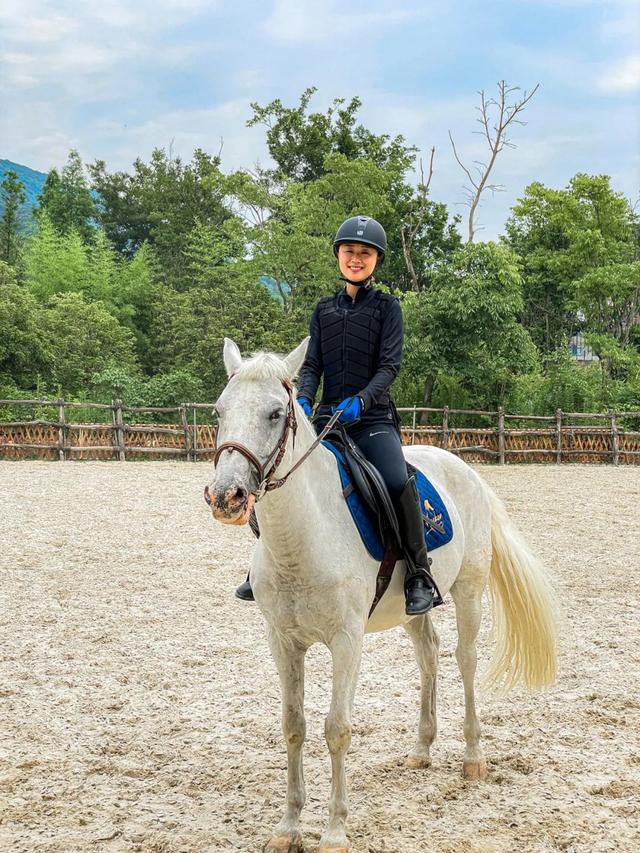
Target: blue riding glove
(306,405)
(351,409)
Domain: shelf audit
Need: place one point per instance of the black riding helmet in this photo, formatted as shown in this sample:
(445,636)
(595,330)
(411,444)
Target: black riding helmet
(362,229)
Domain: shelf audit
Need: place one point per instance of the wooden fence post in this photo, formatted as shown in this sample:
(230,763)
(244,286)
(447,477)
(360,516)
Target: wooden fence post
(558,436)
(445,427)
(615,441)
(195,435)
(501,442)
(61,430)
(413,426)
(185,427)
(118,430)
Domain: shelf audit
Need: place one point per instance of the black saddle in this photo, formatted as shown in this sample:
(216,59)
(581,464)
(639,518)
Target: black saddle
(368,481)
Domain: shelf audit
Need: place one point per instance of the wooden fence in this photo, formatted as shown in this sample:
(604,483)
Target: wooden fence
(564,437)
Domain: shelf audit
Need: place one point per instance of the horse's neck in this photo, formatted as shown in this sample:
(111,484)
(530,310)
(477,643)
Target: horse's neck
(286,515)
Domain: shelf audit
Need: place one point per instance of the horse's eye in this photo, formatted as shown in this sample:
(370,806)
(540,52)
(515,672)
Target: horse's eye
(275,415)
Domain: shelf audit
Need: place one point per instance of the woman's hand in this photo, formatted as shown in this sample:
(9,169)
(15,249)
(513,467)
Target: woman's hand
(351,409)
(306,405)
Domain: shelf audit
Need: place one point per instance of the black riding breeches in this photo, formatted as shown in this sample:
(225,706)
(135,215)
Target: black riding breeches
(380,443)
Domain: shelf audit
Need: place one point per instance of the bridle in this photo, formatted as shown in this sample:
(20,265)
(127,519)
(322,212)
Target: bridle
(266,481)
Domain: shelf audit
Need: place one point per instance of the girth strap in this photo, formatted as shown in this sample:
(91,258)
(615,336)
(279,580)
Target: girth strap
(385,573)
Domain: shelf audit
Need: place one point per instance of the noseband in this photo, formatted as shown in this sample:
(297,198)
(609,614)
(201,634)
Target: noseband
(267,484)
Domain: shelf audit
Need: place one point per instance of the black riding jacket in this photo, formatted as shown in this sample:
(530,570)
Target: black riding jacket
(356,346)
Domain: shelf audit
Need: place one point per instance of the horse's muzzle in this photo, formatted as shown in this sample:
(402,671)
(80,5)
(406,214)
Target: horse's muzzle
(230,506)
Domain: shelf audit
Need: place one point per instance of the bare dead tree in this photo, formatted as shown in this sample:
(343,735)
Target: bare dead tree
(495,135)
(409,230)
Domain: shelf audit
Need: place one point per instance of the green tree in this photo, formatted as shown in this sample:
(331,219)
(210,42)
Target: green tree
(12,197)
(83,339)
(188,329)
(67,201)
(299,141)
(560,383)
(210,250)
(466,325)
(23,353)
(580,265)
(137,287)
(332,152)
(160,203)
(55,262)
(291,226)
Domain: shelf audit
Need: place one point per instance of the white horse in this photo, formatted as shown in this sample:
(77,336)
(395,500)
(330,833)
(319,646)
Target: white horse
(314,581)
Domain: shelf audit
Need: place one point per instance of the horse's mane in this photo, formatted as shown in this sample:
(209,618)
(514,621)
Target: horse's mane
(263,365)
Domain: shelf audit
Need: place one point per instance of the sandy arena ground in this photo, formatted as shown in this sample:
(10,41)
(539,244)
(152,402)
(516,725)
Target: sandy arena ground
(139,706)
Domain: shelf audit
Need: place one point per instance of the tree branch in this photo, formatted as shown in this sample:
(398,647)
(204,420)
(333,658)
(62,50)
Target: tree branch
(496,141)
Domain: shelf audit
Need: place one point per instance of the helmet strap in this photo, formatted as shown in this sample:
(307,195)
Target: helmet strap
(366,282)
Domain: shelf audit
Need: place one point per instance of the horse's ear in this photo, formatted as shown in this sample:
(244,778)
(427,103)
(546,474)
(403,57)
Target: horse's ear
(231,356)
(296,357)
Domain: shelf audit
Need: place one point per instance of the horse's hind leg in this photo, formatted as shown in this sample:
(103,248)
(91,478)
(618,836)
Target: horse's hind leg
(467,596)
(426,644)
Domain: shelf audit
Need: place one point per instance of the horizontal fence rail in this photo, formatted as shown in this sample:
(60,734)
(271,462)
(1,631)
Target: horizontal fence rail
(612,437)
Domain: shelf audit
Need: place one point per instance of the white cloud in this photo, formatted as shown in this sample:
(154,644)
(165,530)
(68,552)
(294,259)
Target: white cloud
(292,21)
(620,77)
(93,76)
(71,46)
(621,21)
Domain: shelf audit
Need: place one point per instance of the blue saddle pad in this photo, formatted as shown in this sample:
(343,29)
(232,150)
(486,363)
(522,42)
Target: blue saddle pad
(432,507)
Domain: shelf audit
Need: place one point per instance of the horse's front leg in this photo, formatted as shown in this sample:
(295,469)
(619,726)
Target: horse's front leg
(346,651)
(289,660)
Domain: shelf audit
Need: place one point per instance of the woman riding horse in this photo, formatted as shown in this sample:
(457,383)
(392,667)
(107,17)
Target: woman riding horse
(356,345)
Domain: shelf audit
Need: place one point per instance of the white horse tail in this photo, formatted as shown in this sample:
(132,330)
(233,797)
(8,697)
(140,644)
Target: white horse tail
(523,604)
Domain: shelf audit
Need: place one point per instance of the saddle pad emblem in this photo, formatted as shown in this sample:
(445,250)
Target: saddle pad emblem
(367,525)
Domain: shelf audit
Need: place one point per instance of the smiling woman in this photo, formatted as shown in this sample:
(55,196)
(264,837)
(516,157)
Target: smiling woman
(360,245)
(356,346)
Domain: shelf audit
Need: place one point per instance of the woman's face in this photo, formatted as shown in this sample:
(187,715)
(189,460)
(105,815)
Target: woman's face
(356,260)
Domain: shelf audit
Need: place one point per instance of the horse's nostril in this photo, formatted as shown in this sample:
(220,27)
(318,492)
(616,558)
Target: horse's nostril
(241,493)
(207,496)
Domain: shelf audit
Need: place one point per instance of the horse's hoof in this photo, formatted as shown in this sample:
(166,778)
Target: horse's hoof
(333,850)
(285,844)
(474,771)
(417,762)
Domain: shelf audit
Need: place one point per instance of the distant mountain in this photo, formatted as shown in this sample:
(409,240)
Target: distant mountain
(33,183)
(272,286)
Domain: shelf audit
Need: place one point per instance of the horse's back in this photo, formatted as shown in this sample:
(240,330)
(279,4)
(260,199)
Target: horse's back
(464,493)
(456,481)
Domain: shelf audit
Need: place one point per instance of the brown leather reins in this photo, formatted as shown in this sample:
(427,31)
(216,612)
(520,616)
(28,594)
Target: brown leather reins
(266,483)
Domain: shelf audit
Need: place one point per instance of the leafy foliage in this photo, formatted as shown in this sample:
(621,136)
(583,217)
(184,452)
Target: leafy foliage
(466,325)
(160,203)
(580,250)
(12,196)
(130,281)
(67,201)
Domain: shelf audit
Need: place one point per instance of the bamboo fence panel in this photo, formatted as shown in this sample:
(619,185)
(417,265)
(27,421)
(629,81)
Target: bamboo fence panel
(560,438)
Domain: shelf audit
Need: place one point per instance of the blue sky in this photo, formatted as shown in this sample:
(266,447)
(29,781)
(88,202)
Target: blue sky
(116,79)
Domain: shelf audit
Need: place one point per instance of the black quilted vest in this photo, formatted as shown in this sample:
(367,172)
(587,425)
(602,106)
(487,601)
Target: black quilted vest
(350,340)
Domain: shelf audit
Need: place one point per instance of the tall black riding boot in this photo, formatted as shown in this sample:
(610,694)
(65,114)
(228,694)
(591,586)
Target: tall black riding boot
(421,592)
(244,591)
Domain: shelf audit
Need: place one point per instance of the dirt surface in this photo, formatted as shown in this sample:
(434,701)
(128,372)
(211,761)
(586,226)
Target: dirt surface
(139,705)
